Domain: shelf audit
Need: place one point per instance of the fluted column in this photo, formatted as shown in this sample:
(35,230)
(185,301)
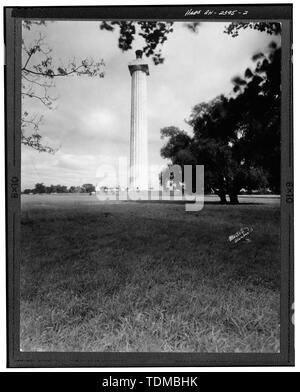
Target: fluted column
(138,128)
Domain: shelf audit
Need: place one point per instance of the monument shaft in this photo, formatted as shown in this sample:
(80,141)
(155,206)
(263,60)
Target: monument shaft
(138,128)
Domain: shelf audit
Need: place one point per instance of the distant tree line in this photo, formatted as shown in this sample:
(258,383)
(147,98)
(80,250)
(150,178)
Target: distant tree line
(41,188)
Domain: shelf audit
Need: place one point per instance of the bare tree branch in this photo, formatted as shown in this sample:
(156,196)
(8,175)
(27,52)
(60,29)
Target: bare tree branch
(39,71)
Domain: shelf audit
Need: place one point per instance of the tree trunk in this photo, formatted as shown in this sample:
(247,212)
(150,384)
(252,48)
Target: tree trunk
(233,198)
(222,197)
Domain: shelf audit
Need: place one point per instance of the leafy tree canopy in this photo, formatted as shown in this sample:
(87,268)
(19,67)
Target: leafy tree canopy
(155,34)
(271,28)
(236,138)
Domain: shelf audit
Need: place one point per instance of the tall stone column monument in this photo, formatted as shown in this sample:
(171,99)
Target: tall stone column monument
(138,175)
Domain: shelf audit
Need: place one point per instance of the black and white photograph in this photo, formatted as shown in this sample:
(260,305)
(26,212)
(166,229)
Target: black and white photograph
(151,185)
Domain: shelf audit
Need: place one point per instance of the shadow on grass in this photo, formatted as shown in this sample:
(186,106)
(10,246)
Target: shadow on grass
(180,202)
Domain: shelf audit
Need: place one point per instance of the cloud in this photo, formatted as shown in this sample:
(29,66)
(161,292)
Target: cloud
(91,123)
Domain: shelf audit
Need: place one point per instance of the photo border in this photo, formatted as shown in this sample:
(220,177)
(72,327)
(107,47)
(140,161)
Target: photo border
(12,37)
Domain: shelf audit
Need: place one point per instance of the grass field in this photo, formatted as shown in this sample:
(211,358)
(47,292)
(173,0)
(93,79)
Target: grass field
(148,277)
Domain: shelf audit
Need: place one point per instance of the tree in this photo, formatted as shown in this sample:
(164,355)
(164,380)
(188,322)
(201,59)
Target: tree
(178,151)
(39,188)
(249,124)
(88,188)
(178,147)
(72,189)
(236,138)
(259,104)
(154,34)
(39,71)
(271,28)
(76,189)
(61,188)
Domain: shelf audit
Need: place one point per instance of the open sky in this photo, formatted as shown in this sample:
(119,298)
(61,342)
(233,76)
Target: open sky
(91,121)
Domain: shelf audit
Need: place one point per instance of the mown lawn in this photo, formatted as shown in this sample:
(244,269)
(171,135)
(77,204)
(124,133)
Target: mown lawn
(148,277)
